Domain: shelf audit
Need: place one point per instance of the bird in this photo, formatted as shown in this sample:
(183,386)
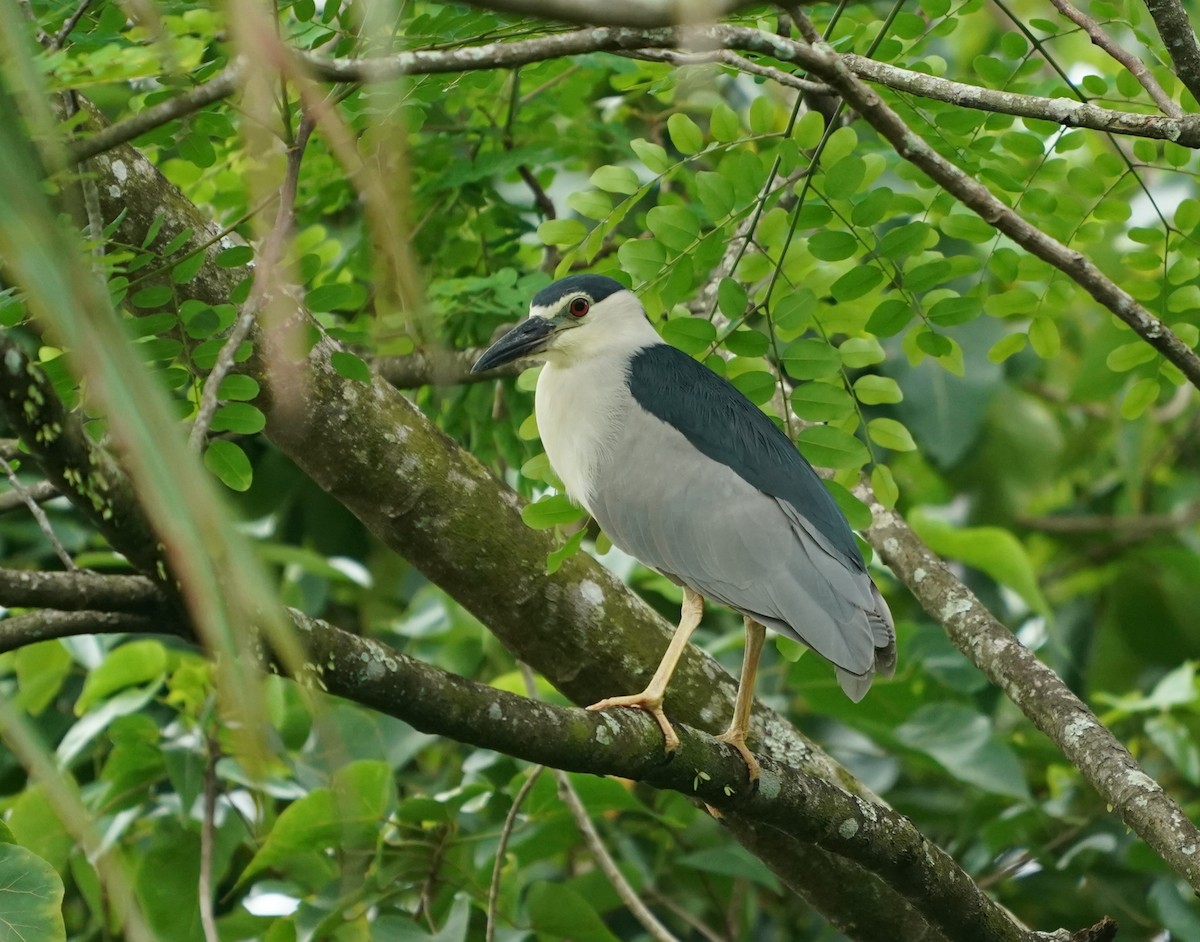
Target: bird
(687,475)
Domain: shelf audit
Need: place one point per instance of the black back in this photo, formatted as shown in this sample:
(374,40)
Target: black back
(727,427)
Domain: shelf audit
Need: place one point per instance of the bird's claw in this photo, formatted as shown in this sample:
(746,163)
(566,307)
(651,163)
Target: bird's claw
(738,742)
(648,704)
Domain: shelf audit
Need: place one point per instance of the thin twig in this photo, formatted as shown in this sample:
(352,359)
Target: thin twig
(69,24)
(510,821)
(1131,62)
(39,515)
(264,271)
(207,827)
(591,837)
(40,491)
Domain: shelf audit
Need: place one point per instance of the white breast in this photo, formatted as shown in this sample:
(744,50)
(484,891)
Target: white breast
(580,409)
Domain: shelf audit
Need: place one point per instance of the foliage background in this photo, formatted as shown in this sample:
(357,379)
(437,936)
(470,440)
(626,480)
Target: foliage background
(1022,431)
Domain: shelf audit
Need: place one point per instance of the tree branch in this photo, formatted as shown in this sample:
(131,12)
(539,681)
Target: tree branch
(624,743)
(1183,130)
(1179,39)
(1136,66)
(1040,694)
(81,590)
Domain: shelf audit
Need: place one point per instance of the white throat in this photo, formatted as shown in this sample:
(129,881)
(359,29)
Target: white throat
(583,393)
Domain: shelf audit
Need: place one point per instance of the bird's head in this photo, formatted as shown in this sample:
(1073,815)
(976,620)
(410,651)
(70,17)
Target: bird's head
(574,319)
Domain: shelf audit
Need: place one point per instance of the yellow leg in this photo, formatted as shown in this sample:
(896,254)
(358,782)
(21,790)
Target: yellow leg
(736,734)
(651,699)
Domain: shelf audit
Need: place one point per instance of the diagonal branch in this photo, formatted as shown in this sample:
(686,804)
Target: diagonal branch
(1040,694)
(1136,66)
(626,744)
(1171,20)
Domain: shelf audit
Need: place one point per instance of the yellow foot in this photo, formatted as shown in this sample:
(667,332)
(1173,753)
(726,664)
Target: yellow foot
(753,769)
(651,705)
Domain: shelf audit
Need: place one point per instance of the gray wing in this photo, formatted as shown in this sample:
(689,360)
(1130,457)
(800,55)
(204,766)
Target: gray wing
(694,519)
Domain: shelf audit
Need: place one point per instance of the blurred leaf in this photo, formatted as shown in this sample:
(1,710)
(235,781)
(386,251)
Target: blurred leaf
(31,895)
(964,743)
(990,549)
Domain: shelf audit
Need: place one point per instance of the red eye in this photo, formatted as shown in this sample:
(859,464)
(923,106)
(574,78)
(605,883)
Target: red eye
(579,306)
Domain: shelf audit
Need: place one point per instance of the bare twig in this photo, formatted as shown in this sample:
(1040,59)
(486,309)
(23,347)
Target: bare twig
(39,515)
(641,912)
(208,919)
(1171,20)
(1066,112)
(1184,130)
(69,24)
(591,837)
(1137,526)
(1131,62)
(164,112)
(510,821)
(39,491)
(264,273)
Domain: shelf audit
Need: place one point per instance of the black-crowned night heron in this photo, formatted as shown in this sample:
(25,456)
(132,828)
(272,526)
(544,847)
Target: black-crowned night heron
(686,474)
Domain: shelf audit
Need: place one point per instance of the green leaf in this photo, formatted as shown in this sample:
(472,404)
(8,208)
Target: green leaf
(238,387)
(685,133)
(843,179)
(883,483)
(904,239)
(963,742)
(756,385)
(856,282)
(41,669)
(557,557)
(653,156)
(615,179)
(642,258)
(732,300)
(556,911)
(890,317)
(129,665)
(1129,355)
(723,123)
(551,511)
(1006,347)
(234,257)
(874,390)
(810,358)
(336,296)
(746,342)
(692,335)
(890,434)
(154,296)
(1141,396)
(31,896)
(350,366)
(590,203)
(562,232)
(832,245)
(716,194)
(821,402)
(230,464)
(829,447)
(857,352)
(240,418)
(674,226)
(992,550)
(732,861)
(1044,338)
